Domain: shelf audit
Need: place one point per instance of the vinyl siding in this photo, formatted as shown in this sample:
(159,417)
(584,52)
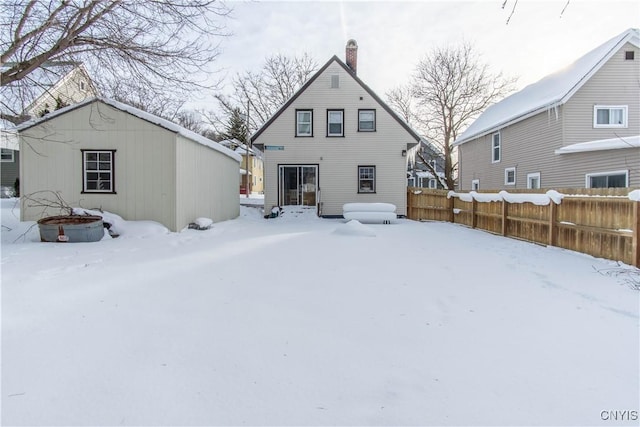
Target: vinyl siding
(69,91)
(537,136)
(144,163)
(9,171)
(338,157)
(206,185)
(530,145)
(616,83)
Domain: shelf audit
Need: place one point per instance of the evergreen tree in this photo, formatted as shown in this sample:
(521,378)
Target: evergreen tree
(236,126)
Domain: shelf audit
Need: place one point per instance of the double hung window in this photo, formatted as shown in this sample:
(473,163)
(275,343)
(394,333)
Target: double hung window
(335,122)
(304,122)
(366,120)
(496,150)
(366,179)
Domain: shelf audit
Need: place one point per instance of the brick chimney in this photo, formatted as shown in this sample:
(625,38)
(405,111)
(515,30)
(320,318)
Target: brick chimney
(352,55)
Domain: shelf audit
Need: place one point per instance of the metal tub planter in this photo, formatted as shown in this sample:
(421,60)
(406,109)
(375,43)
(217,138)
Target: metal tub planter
(71,228)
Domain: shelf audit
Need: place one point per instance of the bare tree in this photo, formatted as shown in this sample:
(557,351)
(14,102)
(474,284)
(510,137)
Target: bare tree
(449,89)
(165,105)
(266,90)
(166,46)
(402,101)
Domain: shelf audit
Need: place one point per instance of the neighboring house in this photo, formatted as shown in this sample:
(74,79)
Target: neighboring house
(9,160)
(421,175)
(578,127)
(256,171)
(104,154)
(334,142)
(42,91)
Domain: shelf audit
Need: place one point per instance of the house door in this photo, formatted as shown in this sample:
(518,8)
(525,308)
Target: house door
(298,185)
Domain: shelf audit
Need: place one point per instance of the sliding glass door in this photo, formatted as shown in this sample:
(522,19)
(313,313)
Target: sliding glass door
(297,185)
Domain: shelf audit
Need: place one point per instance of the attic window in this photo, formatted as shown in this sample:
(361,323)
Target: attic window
(82,85)
(629,55)
(335,81)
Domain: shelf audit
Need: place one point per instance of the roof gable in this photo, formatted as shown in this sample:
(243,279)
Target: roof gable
(304,87)
(166,124)
(549,92)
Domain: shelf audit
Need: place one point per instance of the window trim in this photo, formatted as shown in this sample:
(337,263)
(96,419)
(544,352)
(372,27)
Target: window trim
(335,110)
(84,152)
(373,191)
(493,148)
(475,184)
(303,135)
(372,110)
(8,151)
(587,177)
(533,175)
(506,176)
(625,116)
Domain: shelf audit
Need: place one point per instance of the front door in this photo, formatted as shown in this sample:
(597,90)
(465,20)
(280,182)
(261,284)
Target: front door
(297,185)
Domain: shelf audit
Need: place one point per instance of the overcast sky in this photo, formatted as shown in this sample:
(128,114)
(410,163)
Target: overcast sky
(394,35)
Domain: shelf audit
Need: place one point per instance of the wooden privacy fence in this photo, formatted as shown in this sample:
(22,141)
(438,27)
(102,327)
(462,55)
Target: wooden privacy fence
(604,223)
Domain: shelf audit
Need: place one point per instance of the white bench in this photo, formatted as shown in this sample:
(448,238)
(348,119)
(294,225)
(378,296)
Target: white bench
(370,212)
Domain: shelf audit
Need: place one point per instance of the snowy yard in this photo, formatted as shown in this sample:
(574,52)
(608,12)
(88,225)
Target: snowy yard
(304,321)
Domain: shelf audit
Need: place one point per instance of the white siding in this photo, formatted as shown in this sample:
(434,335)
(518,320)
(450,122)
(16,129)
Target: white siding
(69,90)
(207,184)
(338,157)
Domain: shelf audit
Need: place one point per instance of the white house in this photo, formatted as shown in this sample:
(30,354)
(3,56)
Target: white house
(335,142)
(42,91)
(104,154)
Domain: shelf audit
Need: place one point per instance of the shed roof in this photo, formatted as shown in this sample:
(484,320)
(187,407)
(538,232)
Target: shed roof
(164,123)
(550,92)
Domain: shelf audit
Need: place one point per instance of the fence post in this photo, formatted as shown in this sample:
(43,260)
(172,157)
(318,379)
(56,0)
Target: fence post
(450,207)
(505,211)
(635,237)
(553,229)
(474,219)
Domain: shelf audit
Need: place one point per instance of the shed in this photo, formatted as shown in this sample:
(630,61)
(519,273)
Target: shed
(105,154)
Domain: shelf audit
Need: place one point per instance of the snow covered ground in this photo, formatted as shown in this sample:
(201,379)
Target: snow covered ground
(304,321)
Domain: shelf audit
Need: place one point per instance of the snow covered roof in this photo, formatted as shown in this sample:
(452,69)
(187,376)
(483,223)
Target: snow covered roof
(552,91)
(173,127)
(602,144)
(427,174)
